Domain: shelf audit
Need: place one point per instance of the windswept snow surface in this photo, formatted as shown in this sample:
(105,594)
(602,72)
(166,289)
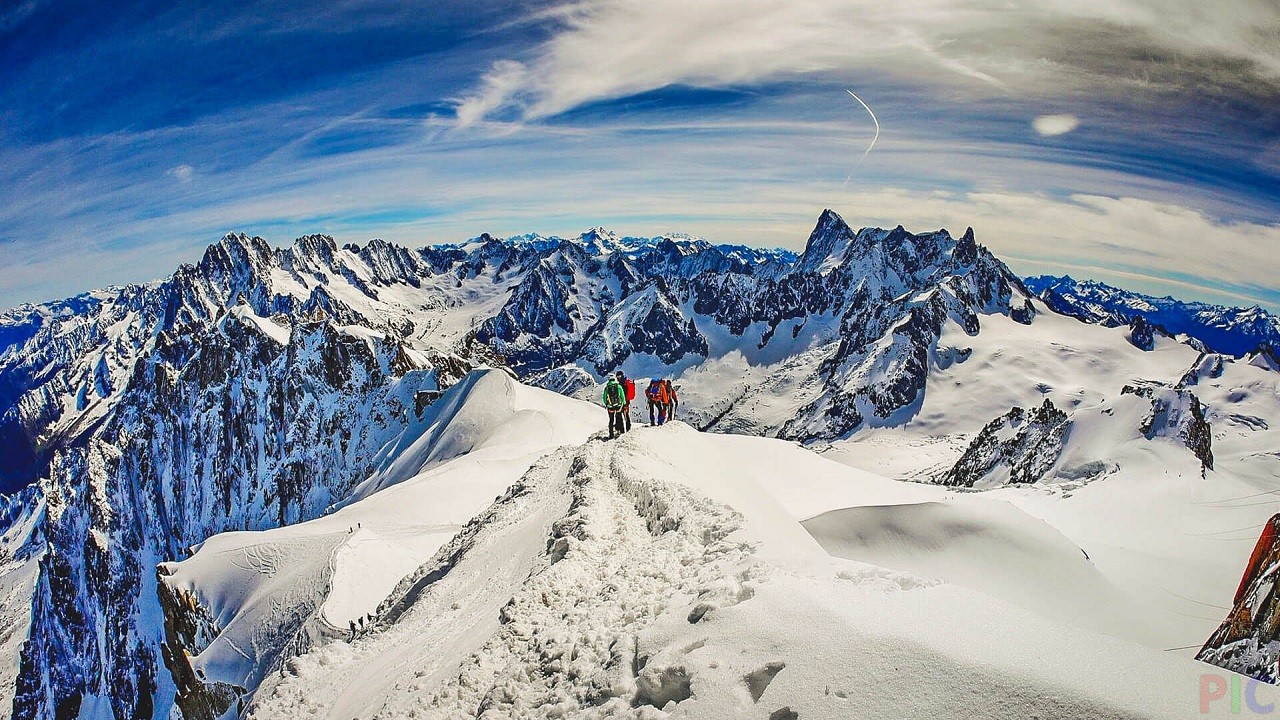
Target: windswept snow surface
(1170,536)
(486,410)
(292,586)
(988,545)
(659,576)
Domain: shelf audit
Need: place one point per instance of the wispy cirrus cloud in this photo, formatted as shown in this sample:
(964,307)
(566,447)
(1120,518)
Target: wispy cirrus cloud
(741,180)
(134,136)
(613,48)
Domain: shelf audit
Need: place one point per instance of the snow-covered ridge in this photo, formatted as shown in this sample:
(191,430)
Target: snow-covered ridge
(246,602)
(668,572)
(266,386)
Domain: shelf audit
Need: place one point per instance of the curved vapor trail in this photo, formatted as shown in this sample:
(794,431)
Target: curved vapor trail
(873,139)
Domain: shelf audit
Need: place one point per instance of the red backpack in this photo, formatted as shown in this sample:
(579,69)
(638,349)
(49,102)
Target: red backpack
(630,385)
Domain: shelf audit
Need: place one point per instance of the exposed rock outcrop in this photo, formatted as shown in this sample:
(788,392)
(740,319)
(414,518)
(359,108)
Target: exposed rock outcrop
(1017,447)
(1248,641)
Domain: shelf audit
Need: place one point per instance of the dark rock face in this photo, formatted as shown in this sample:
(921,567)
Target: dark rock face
(1142,334)
(649,322)
(1267,355)
(1207,366)
(195,417)
(903,288)
(1026,444)
(1248,641)
(45,357)
(828,239)
(188,627)
(1178,414)
(227,430)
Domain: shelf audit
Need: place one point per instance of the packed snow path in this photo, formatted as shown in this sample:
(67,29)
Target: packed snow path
(566,637)
(615,580)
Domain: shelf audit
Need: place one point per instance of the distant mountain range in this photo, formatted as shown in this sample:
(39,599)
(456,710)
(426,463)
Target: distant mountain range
(262,386)
(1232,330)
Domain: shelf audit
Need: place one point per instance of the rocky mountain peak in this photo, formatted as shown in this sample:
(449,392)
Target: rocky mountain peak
(966,251)
(234,251)
(826,243)
(318,249)
(599,241)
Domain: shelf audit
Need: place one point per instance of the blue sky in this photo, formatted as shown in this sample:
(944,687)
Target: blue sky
(134,134)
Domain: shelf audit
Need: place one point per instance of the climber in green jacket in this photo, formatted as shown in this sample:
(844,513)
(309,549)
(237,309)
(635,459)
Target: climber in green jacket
(615,401)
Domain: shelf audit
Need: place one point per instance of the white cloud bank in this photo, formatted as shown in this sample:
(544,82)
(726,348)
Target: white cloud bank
(1142,244)
(1150,246)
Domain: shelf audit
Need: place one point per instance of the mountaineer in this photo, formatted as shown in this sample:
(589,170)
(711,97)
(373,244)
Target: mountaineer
(658,399)
(629,386)
(615,401)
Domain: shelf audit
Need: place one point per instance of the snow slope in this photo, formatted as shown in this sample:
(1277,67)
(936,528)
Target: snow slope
(488,411)
(968,539)
(655,577)
(991,546)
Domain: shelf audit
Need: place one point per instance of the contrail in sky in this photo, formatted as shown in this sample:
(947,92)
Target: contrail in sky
(873,139)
